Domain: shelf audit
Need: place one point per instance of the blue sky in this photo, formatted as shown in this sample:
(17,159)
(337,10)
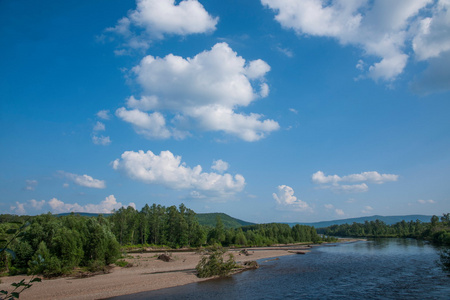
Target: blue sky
(270,110)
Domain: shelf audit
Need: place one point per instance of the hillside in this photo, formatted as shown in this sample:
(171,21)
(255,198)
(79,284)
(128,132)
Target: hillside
(389,220)
(210,219)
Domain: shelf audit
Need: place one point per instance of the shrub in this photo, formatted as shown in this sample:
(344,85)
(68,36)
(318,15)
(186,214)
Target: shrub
(214,264)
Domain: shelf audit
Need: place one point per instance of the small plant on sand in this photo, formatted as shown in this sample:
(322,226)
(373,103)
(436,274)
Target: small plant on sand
(213,264)
(124,264)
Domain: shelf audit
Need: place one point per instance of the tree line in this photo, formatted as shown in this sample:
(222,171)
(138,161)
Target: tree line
(436,231)
(54,245)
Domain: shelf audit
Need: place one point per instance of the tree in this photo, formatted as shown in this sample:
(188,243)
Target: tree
(213,264)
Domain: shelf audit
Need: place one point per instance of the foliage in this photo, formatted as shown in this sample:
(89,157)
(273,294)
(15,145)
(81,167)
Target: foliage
(445,259)
(123,263)
(53,246)
(436,231)
(156,224)
(19,287)
(213,264)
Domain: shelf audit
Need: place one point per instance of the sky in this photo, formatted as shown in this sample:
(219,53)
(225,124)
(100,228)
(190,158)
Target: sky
(266,110)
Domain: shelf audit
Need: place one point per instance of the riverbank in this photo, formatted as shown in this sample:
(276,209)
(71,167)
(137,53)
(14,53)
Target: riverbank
(147,274)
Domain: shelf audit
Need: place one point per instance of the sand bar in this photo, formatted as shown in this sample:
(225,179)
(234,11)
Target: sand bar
(147,274)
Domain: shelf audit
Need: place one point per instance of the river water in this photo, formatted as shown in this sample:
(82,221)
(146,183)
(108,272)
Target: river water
(376,269)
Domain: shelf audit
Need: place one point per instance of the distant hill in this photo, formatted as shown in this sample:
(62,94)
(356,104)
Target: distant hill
(389,220)
(210,219)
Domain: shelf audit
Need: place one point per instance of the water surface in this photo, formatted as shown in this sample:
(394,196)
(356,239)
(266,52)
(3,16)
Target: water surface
(378,269)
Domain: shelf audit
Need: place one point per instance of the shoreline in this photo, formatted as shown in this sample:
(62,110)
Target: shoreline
(147,274)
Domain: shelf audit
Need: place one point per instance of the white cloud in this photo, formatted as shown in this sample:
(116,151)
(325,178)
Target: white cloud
(286,200)
(101,140)
(18,208)
(339,212)
(153,19)
(371,177)
(432,33)
(332,182)
(106,206)
(85,180)
(293,110)
(149,125)
(348,188)
(206,89)
(104,114)
(31,184)
(429,201)
(382,29)
(37,204)
(99,126)
(329,206)
(168,170)
(220,165)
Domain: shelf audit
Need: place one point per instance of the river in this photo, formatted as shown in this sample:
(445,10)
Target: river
(374,269)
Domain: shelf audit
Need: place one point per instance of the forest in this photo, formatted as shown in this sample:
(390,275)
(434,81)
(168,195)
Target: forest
(52,245)
(436,231)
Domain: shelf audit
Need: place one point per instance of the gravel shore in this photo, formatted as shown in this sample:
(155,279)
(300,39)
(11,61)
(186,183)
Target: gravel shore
(147,273)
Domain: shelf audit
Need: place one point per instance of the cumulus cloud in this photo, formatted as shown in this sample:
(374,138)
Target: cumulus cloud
(57,206)
(286,200)
(106,206)
(18,208)
(333,181)
(382,29)
(101,140)
(149,125)
(220,165)
(167,169)
(153,19)
(203,92)
(99,126)
(85,180)
(432,33)
(104,114)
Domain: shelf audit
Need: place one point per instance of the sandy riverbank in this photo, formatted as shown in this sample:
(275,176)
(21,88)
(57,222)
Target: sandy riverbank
(148,273)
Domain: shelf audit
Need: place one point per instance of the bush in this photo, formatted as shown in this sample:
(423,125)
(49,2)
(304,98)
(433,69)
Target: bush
(214,264)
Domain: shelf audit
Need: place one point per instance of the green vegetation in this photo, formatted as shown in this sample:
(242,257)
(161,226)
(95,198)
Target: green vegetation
(213,264)
(53,245)
(209,219)
(436,231)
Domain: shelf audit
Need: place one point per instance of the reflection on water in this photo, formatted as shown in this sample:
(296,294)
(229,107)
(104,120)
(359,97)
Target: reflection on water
(376,269)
